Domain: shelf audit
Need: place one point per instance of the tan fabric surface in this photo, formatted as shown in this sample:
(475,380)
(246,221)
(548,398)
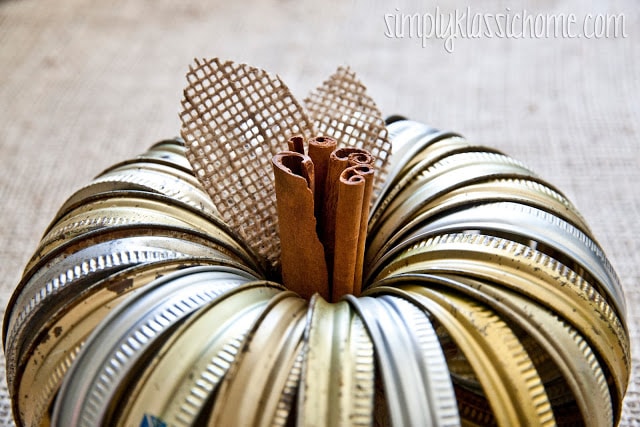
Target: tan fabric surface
(85,84)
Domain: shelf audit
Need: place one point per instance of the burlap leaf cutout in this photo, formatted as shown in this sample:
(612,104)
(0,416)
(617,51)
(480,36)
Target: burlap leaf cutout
(236,117)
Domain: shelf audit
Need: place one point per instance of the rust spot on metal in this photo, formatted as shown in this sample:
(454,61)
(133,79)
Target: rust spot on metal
(121,286)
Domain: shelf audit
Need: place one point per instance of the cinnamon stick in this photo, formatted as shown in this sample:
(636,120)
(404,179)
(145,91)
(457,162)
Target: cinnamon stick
(367,172)
(339,160)
(296,143)
(320,149)
(359,157)
(351,188)
(303,264)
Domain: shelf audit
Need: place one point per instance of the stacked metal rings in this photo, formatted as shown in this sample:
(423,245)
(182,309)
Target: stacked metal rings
(488,301)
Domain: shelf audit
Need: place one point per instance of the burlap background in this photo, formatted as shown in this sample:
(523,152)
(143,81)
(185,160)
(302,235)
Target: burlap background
(85,84)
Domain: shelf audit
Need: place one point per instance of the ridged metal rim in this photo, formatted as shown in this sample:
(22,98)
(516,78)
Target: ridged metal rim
(522,191)
(45,360)
(191,364)
(551,235)
(572,356)
(534,274)
(117,343)
(402,354)
(507,374)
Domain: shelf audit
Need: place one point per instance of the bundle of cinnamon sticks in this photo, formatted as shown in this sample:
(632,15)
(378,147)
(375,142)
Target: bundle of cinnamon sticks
(323,199)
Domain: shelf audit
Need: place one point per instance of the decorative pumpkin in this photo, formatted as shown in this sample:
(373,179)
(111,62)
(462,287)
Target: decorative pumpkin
(485,298)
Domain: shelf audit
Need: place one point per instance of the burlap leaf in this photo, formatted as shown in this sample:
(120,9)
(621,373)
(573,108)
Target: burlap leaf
(340,108)
(234,119)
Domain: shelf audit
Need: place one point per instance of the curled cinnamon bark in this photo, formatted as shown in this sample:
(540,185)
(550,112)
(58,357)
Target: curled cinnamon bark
(304,269)
(339,160)
(368,173)
(359,157)
(351,187)
(296,143)
(320,149)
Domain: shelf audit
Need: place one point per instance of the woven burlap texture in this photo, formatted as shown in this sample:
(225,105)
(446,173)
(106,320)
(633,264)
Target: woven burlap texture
(341,108)
(236,117)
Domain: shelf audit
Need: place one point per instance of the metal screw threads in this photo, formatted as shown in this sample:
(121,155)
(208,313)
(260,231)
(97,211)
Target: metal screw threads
(486,300)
